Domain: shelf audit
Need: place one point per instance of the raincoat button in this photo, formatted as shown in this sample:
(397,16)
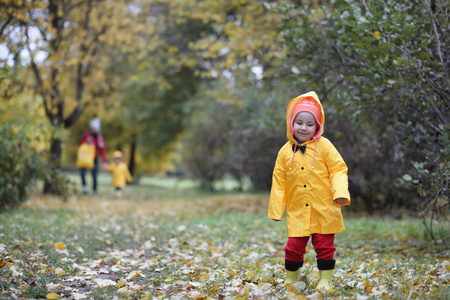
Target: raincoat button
(304,185)
(303,168)
(306,204)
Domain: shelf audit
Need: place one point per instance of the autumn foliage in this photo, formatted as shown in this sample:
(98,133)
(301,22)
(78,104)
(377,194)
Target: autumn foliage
(182,244)
(159,72)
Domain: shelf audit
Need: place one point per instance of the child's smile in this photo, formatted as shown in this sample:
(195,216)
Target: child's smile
(304,126)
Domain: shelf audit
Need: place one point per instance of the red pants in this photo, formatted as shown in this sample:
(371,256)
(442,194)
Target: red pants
(323,245)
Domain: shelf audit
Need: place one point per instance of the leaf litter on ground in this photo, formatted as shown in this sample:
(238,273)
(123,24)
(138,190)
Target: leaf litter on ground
(215,247)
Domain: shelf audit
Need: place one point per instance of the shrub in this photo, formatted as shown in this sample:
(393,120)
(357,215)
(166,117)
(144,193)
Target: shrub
(382,66)
(205,158)
(238,136)
(21,165)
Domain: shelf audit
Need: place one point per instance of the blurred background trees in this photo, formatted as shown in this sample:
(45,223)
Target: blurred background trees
(201,87)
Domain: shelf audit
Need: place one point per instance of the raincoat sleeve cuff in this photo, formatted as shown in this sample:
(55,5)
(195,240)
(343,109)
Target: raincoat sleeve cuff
(346,196)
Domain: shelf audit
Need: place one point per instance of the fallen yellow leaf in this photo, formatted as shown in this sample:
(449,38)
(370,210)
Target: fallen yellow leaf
(52,296)
(214,289)
(122,290)
(169,278)
(121,283)
(60,246)
(59,271)
(201,297)
(368,286)
(204,277)
(290,288)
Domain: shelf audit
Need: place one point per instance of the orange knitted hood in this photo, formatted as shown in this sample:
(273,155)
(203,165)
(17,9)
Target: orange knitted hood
(310,96)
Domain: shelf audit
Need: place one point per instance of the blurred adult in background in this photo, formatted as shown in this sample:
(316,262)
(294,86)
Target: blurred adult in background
(94,136)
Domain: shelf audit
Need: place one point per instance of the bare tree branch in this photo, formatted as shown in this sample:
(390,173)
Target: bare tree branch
(39,82)
(5,24)
(84,65)
(438,42)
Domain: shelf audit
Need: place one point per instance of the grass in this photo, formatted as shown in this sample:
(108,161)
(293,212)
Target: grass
(160,187)
(167,240)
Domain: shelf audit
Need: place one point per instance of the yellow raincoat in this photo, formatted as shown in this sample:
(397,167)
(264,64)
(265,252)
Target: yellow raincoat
(307,183)
(120,174)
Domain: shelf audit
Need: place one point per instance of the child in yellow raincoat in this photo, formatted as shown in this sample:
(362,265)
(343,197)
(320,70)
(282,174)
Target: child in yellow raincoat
(120,173)
(309,181)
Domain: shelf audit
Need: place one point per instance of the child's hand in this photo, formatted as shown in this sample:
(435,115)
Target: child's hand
(276,220)
(340,201)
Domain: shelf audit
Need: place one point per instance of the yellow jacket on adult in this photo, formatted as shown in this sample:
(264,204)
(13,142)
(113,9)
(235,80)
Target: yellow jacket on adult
(305,184)
(120,174)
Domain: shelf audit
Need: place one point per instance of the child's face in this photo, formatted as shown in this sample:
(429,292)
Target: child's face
(304,126)
(117,160)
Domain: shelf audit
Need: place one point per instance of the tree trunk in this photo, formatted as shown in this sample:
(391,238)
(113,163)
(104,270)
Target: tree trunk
(132,163)
(55,165)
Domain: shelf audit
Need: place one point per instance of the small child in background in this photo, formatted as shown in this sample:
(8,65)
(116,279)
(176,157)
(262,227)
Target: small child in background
(120,173)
